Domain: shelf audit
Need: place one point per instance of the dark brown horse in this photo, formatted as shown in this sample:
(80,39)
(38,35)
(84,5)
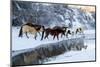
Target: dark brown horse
(30,28)
(54,32)
(62,28)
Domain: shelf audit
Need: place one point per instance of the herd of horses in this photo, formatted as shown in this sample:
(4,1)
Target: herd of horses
(35,29)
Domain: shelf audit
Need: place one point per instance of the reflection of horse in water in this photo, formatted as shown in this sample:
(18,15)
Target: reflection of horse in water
(30,28)
(55,31)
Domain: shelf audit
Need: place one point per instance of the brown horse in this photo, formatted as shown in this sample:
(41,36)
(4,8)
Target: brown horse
(54,32)
(61,28)
(30,28)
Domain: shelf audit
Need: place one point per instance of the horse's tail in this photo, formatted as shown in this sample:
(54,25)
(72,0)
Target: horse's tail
(20,32)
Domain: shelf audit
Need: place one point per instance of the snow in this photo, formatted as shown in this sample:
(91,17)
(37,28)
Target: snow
(19,43)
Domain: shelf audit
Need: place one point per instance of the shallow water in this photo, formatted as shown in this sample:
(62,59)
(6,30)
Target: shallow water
(76,56)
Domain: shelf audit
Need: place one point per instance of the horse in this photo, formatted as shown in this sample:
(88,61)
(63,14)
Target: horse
(74,31)
(68,31)
(79,30)
(61,28)
(30,28)
(55,31)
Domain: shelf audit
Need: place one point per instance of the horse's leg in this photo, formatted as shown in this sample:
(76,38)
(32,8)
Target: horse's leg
(58,36)
(42,35)
(35,36)
(46,36)
(54,36)
(67,35)
(26,35)
(76,31)
(61,35)
(39,33)
(72,33)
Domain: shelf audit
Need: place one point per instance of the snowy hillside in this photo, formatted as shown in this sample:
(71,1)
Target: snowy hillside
(51,15)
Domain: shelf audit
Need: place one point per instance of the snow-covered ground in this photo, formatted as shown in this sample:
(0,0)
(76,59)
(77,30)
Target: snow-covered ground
(19,43)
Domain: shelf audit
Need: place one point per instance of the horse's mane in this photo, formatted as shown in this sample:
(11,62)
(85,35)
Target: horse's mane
(30,24)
